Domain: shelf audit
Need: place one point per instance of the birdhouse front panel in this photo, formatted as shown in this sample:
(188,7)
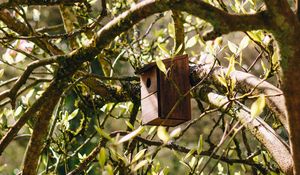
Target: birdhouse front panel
(164,98)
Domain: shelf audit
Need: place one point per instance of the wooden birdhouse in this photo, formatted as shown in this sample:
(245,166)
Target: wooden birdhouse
(162,96)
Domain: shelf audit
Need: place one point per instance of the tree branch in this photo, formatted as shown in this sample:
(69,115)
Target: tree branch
(259,128)
(246,83)
(20,28)
(13,3)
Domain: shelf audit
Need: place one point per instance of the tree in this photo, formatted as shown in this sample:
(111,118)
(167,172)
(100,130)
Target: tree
(71,86)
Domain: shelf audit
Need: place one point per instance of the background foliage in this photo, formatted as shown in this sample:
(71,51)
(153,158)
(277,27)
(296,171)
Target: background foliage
(96,125)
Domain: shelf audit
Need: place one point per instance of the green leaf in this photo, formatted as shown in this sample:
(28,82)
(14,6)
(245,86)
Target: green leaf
(222,80)
(131,135)
(109,169)
(163,134)
(220,168)
(161,66)
(164,50)
(193,161)
(192,41)
(129,124)
(189,154)
(152,129)
(139,155)
(102,133)
(258,106)
(102,157)
(244,43)
(178,49)
(1,72)
(140,165)
(171,30)
(73,114)
(232,47)
(200,145)
(275,58)
(231,67)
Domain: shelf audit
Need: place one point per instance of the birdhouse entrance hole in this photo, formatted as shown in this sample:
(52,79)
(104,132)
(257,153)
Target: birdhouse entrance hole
(160,95)
(148,83)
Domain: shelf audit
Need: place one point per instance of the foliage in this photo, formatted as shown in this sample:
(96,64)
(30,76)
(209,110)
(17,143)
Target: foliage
(68,79)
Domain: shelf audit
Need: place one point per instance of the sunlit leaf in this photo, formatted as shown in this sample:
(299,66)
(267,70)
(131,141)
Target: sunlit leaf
(73,114)
(1,72)
(175,133)
(139,155)
(232,47)
(102,157)
(258,106)
(131,135)
(244,43)
(189,154)
(171,30)
(102,133)
(163,134)
(140,165)
(222,80)
(192,41)
(275,58)
(231,67)
(200,145)
(161,66)
(164,50)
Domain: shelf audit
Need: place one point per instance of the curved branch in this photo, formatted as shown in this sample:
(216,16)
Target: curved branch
(259,128)
(247,82)
(12,3)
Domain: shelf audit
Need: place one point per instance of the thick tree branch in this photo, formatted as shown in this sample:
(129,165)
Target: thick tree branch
(12,3)
(246,83)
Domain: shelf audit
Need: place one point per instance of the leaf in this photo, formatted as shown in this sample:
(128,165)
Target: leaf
(244,43)
(161,66)
(1,72)
(164,50)
(102,157)
(230,66)
(258,106)
(152,129)
(189,154)
(139,155)
(232,47)
(140,165)
(109,169)
(193,161)
(129,124)
(73,114)
(175,133)
(102,133)
(171,30)
(178,49)
(222,80)
(131,135)
(192,41)
(275,58)
(200,145)
(163,134)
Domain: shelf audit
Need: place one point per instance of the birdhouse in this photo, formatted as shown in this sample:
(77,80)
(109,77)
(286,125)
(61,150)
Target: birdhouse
(165,99)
